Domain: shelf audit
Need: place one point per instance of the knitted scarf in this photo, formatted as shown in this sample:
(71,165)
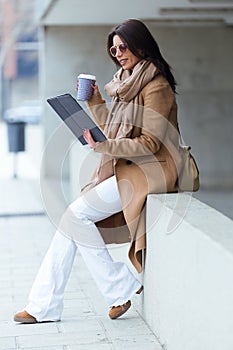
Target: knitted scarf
(124,89)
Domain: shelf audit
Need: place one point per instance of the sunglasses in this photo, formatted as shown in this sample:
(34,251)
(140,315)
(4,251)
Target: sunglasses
(122,47)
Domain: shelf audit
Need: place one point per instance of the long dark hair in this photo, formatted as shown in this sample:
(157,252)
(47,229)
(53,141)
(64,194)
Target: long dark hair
(143,45)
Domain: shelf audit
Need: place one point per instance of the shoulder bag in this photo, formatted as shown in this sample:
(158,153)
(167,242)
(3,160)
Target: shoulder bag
(188,179)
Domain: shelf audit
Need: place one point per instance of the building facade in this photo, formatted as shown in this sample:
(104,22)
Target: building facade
(196,39)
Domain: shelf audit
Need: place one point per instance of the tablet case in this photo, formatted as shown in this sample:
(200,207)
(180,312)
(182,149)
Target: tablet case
(73,115)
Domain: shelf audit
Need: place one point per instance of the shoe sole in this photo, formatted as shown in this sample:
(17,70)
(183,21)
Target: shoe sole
(25,320)
(140,290)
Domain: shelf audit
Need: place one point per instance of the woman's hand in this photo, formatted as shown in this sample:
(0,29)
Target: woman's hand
(88,138)
(95,90)
(94,86)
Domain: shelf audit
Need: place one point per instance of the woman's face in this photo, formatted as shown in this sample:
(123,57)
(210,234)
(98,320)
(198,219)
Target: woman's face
(126,59)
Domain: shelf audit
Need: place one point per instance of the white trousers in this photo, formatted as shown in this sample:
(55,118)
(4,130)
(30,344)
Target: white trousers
(114,279)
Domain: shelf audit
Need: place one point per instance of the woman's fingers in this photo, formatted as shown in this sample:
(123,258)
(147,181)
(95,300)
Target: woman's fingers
(87,135)
(96,89)
(88,138)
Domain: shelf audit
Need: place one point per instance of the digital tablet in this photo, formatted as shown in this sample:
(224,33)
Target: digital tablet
(74,116)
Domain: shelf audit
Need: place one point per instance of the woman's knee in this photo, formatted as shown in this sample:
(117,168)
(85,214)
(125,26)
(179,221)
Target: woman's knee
(73,216)
(76,208)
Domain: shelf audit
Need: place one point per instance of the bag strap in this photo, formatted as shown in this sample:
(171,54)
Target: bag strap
(182,144)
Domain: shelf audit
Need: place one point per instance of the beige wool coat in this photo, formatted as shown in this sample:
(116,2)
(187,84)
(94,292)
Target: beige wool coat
(148,161)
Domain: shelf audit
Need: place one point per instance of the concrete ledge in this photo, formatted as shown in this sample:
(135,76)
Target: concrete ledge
(188,273)
(188,297)
(188,283)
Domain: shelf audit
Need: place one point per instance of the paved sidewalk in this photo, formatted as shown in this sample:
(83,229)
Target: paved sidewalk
(25,234)
(85,323)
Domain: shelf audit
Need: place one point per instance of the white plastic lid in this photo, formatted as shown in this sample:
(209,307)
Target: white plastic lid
(87,76)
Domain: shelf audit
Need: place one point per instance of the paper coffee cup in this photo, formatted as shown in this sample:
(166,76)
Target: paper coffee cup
(85,89)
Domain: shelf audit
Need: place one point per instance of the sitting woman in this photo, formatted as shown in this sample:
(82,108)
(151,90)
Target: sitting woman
(139,156)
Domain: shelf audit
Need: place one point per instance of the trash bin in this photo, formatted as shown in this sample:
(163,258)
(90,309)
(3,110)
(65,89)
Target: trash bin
(16,120)
(16,136)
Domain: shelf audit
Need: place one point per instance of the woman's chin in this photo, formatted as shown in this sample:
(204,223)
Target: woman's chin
(125,67)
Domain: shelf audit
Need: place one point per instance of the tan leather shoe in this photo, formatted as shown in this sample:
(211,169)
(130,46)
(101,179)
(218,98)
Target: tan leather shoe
(117,311)
(24,317)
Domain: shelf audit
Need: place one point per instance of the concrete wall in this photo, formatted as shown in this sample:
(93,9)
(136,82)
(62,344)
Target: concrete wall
(188,287)
(76,12)
(201,58)
(68,51)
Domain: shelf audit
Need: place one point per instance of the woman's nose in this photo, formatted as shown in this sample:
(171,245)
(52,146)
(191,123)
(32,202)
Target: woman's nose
(118,53)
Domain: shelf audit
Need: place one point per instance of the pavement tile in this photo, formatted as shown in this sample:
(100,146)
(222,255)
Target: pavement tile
(5,284)
(80,325)
(80,311)
(16,329)
(7,343)
(73,285)
(20,188)
(5,271)
(125,326)
(6,299)
(61,339)
(4,290)
(77,303)
(49,348)
(7,310)
(107,346)
(73,295)
(148,342)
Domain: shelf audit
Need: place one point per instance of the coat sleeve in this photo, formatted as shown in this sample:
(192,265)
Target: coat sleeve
(158,100)
(98,109)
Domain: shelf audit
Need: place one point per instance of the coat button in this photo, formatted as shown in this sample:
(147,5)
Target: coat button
(128,162)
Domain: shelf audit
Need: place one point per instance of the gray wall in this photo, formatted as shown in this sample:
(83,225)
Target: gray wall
(202,61)
(68,51)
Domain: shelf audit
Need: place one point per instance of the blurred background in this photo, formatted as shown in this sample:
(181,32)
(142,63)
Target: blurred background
(44,46)
(19,88)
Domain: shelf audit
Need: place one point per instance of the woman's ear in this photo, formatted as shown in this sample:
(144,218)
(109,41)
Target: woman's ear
(141,53)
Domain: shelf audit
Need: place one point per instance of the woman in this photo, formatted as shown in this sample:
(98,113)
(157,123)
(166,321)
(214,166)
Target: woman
(140,156)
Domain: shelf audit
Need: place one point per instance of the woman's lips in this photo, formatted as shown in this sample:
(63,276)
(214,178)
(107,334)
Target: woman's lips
(123,61)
